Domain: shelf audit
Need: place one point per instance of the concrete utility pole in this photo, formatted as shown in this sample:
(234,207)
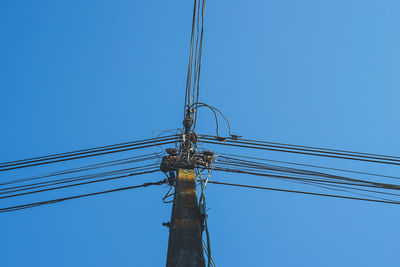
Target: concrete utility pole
(185,233)
(185,247)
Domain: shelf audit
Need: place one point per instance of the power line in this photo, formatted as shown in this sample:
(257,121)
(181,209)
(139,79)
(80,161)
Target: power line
(91,154)
(310,147)
(87,150)
(331,185)
(81,183)
(302,192)
(298,151)
(82,169)
(37,204)
(74,179)
(249,164)
(312,166)
(319,179)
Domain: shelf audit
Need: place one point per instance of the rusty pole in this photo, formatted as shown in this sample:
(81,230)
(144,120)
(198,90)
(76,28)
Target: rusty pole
(185,233)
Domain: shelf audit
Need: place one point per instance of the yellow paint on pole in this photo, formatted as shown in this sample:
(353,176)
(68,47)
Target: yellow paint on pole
(187,174)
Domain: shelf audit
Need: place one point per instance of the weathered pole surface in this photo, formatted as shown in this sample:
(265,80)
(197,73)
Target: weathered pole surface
(185,232)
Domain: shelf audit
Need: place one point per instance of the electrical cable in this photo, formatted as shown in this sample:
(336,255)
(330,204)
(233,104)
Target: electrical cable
(318,179)
(190,65)
(312,166)
(284,149)
(81,183)
(74,179)
(82,151)
(308,149)
(302,192)
(243,163)
(36,204)
(83,168)
(326,149)
(142,145)
(331,185)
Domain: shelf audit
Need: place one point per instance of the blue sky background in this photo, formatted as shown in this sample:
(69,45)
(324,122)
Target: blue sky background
(77,74)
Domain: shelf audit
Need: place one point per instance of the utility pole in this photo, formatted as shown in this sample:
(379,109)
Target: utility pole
(185,233)
(185,247)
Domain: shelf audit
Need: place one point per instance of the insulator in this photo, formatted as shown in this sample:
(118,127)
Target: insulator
(188,122)
(171,151)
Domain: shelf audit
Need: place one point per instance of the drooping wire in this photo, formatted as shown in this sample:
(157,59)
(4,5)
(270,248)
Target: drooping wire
(198,105)
(207,246)
(177,133)
(202,205)
(167,195)
(208,256)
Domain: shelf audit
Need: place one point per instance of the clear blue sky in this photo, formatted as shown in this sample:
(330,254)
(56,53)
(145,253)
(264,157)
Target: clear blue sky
(77,74)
